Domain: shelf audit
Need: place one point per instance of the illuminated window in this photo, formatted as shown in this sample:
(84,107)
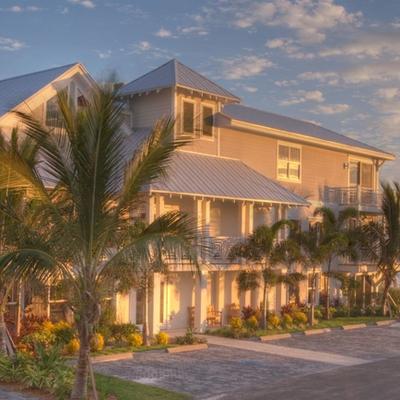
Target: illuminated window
(289,162)
(188,118)
(208,121)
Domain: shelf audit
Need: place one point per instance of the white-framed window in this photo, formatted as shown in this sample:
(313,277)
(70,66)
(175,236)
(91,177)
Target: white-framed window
(361,173)
(53,115)
(188,117)
(289,162)
(207,121)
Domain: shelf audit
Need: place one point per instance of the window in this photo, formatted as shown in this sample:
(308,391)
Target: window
(188,117)
(53,117)
(361,174)
(289,162)
(208,121)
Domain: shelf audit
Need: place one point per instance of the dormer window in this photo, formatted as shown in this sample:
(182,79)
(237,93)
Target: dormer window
(188,118)
(207,115)
(53,117)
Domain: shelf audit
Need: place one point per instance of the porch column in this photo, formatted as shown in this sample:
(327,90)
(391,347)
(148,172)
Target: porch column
(245,299)
(132,306)
(242,218)
(154,323)
(280,296)
(150,209)
(200,305)
(220,295)
(159,205)
(250,218)
(256,297)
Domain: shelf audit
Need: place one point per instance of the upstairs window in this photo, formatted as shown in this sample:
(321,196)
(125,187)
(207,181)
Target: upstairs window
(188,118)
(207,121)
(362,174)
(53,115)
(289,162)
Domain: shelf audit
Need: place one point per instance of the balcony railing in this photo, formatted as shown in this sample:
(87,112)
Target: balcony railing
(218,248)
(353,197)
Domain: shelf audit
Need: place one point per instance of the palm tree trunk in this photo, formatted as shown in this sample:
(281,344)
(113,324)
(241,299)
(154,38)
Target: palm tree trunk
(79,390)
(264,308)
(328,295)
(145,332)
(385,298)
(312,308)
(3,333)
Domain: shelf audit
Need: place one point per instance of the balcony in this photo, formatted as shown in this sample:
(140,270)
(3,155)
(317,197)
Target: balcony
(364,199)
(217,251)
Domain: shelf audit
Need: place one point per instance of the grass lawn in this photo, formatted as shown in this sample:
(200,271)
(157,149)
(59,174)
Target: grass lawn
(108,386)
(130,349)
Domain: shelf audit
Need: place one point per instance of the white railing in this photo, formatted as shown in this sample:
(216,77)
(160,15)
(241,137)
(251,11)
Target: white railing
(353,196)
(218,249)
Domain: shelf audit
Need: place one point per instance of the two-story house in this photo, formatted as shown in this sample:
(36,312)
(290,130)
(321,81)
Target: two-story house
(243,168)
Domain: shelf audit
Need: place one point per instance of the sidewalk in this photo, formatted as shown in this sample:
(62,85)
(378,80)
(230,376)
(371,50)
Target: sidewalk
(283,351)
(6,395)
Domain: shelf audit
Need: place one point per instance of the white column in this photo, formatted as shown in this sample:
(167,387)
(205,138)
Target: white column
(154,323)
(245,299)
(150,209)
(280,296)
(250,218)
(256,297)
(159,205)
(132,306)
(242,218)
(200,306)
(220,295)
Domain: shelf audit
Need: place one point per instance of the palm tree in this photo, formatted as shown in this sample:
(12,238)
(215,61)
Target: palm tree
(260,247)
(88,187)
(313,255)
(13,209)
(338,238)
(382,241)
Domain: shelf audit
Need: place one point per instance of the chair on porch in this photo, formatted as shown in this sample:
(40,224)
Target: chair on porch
(233,311)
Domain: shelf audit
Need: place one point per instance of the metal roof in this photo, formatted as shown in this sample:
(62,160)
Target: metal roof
(14,91)
(174,73)
(276,121)
(211,176)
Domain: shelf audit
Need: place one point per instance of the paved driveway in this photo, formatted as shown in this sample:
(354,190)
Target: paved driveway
(228,372)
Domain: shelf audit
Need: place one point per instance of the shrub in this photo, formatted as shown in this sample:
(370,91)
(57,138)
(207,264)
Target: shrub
(162,338)
(135,339)
(342,311)
(289,309)
(251,324)
(63,332)
(287,321)
(43,337)
(73,346)
(189,338)
(46,370)
(274,321)
(97,342)
(318,313)
(120,332)
(30,324)
(299,318)
(236,326)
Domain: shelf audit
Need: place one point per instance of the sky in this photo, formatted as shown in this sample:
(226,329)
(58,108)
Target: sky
(332,62)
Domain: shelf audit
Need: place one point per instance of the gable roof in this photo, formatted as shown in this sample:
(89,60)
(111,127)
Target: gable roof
(276,121)
(171,74)
(14,91)
(217,177)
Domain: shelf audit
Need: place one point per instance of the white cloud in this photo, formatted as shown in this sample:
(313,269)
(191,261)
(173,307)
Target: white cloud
(104,54)
(193,30)
(244,67)
(303,96)
(310,20)
(290,48)
(8,44)
(286,83)
(84,3)
(163,33)
(250,89)
(16,9)
(144,46)
(20,9)
(329,77)
(367,44)
(331,109)
(366,73)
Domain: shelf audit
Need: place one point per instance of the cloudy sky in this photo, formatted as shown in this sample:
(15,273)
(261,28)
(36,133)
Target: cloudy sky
(333,62)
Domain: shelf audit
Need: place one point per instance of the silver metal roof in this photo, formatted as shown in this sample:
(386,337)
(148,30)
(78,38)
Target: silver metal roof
(174,73)
(259,117)
(14,91)
(211,176)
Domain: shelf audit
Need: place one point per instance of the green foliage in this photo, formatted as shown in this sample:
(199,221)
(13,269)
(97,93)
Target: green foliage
(299,318)
(189,338)
(274,321)
(162,338)
(63,332)
(97,342)
(121,332)
(287,321)
(135,339)
(45,370)
(251,324)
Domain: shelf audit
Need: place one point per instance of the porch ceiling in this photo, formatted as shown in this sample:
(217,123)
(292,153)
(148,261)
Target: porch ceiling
(216,177)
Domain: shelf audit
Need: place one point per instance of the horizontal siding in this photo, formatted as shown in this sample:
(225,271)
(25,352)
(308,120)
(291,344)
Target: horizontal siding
(148,109)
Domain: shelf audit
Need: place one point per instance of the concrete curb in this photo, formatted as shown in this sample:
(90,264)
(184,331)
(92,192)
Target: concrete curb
(267,338)
(187,347)
(112,357)
(354,326)
(310,332)
(385,322)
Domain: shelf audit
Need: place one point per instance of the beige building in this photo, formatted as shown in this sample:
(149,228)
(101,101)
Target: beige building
(243,168)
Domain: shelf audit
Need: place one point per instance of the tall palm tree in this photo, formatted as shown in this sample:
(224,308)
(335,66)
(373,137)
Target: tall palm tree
(88,187)
(13,208)
(339,240)
(382,240)
(260,247)
(313,255)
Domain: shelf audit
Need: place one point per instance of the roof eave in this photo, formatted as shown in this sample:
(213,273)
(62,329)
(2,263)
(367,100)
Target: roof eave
(305,138)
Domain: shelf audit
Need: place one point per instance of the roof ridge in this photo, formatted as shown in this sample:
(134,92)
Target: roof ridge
(209,80)
(150,72)
(38,72)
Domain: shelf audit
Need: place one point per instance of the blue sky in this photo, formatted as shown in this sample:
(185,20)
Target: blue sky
(336,63)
